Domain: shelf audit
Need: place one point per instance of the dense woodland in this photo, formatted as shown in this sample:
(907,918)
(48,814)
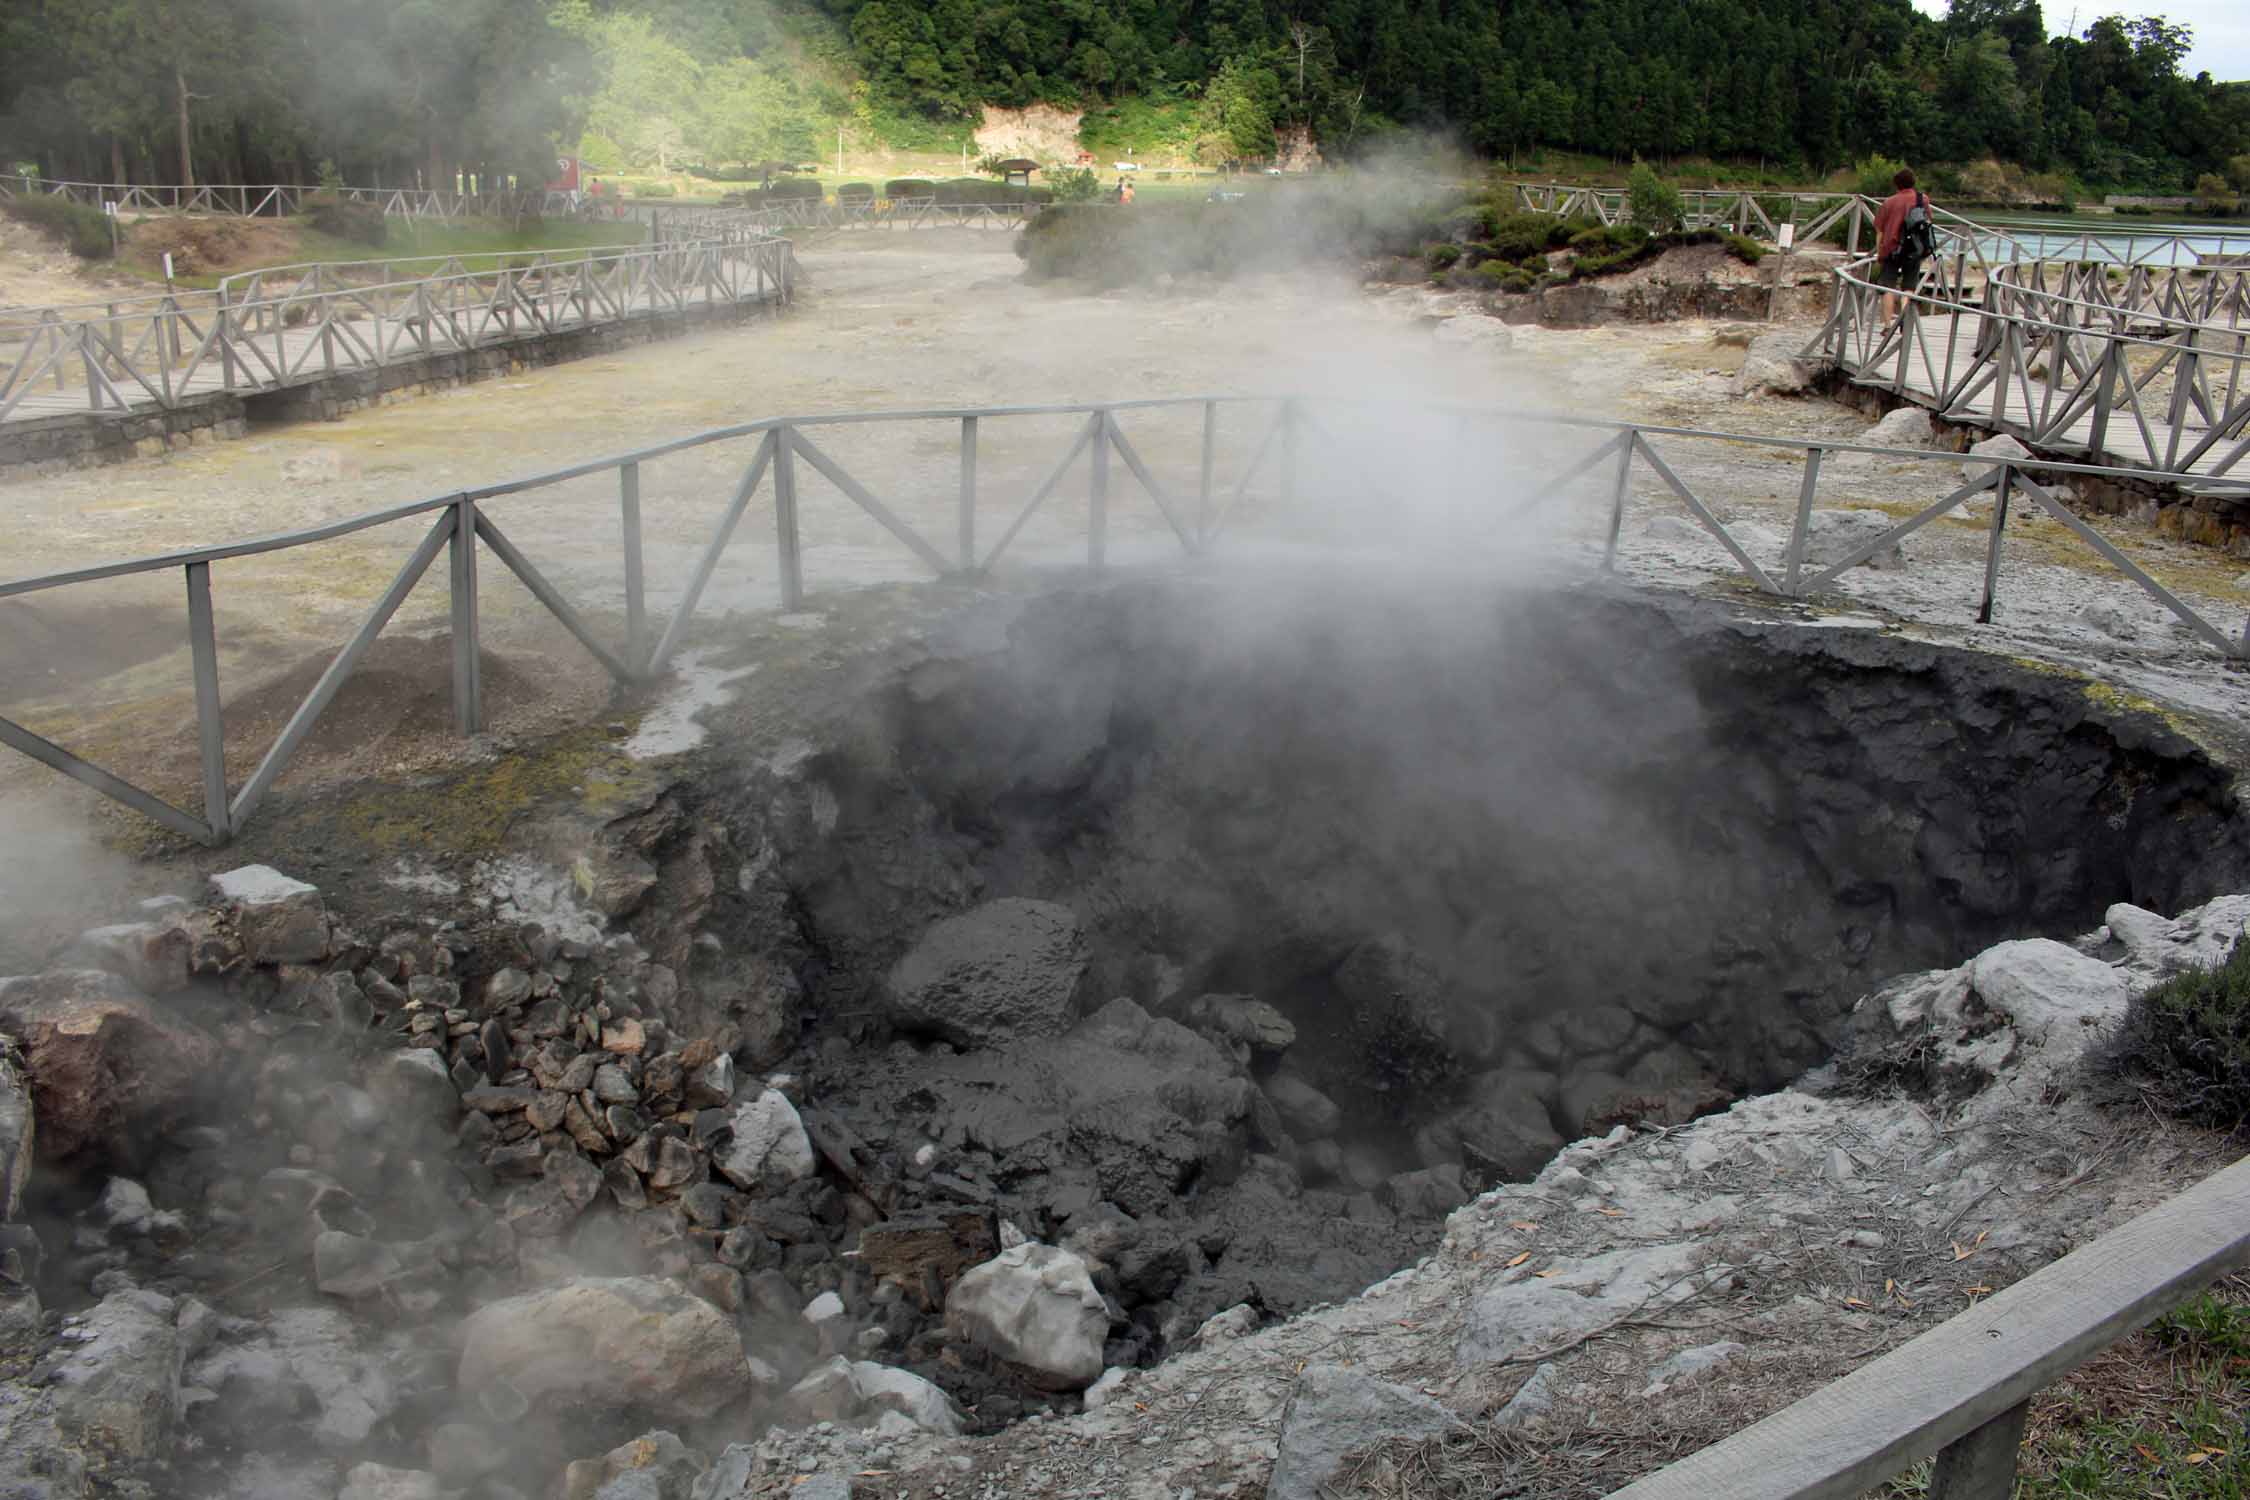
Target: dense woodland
(419,90)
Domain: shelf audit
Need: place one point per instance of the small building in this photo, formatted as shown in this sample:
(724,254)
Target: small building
(1018,170)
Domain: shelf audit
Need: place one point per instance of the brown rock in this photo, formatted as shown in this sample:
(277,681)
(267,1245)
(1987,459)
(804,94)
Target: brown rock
(109,1070)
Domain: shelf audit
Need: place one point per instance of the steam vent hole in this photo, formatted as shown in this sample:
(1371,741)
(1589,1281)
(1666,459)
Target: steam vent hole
(1236,930)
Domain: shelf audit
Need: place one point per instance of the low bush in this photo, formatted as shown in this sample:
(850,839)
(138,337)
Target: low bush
(1501,276)
(1519,235)
(1745,249)
(84,231)
(910,187)
(2185,1045)
(1440,255)
(855,192)
(361,223)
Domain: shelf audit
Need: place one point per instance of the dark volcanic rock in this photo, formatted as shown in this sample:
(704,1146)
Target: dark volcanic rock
(1007,969)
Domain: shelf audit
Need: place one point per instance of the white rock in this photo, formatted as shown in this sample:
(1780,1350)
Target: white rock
(2000,445)
(259,885)
(1908,427)
(2050,992)
(770,1147)
(824,1308)
(908,1395)
(1034,1306)
(2157,948)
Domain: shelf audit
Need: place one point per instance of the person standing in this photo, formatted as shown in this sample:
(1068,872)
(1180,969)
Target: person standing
(1904,238)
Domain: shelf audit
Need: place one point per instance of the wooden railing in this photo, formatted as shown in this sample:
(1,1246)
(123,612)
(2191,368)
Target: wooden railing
(1616,454)
(278,200)
(284,326)
(1960,1393)
(2141,365)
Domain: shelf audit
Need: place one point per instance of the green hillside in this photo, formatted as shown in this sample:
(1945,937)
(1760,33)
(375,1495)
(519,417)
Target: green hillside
(423,90)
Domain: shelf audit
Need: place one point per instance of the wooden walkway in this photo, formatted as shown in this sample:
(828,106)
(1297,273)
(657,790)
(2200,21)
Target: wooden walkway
(170,352)
(2129,383)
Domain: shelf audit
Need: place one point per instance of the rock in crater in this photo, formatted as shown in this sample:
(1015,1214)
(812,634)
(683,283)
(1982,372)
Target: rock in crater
(1007,969)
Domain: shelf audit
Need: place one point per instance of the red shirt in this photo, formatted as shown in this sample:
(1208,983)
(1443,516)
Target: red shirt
(1890,218)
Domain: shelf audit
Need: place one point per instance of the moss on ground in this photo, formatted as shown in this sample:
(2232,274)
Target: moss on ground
(471,811)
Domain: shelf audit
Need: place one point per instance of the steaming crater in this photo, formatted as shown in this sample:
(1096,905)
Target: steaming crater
(1223,931)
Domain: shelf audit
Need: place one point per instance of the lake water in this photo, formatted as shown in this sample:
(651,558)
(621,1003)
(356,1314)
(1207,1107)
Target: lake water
(2122,241)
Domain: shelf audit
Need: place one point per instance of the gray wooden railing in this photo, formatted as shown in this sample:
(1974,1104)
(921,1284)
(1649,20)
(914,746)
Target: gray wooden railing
(1960,1392)
(283,326)
(1616,453)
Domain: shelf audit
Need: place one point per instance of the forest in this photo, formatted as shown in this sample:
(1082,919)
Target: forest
(420,90)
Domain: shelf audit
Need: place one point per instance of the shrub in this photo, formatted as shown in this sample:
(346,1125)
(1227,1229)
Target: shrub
(84,230)
(1501,276)
(1745,249)
(2212,195)
(792,187)
(1875,174)
(1074,185)
(1440,255)
(909,187)
(2186,1044)
(1655,205)
(855,192)
(361,223)
(1519,235)
(654,190)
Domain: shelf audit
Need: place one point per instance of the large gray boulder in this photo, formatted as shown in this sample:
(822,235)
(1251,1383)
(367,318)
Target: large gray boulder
(1335,1412)
(1035,1306)
(1007,969)
(118,1389)
(1771,367)
(109,1070)
(621,1343)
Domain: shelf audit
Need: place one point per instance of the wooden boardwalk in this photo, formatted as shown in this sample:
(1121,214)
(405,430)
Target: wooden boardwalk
(172,352)
(2154,376)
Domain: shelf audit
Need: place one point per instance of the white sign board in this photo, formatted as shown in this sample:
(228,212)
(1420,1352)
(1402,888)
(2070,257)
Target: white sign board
(1788,235)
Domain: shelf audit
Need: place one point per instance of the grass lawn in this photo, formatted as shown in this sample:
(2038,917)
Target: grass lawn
(229,247)
(2164,1415)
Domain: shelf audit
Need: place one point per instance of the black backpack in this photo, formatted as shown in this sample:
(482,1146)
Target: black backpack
(1917,237)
